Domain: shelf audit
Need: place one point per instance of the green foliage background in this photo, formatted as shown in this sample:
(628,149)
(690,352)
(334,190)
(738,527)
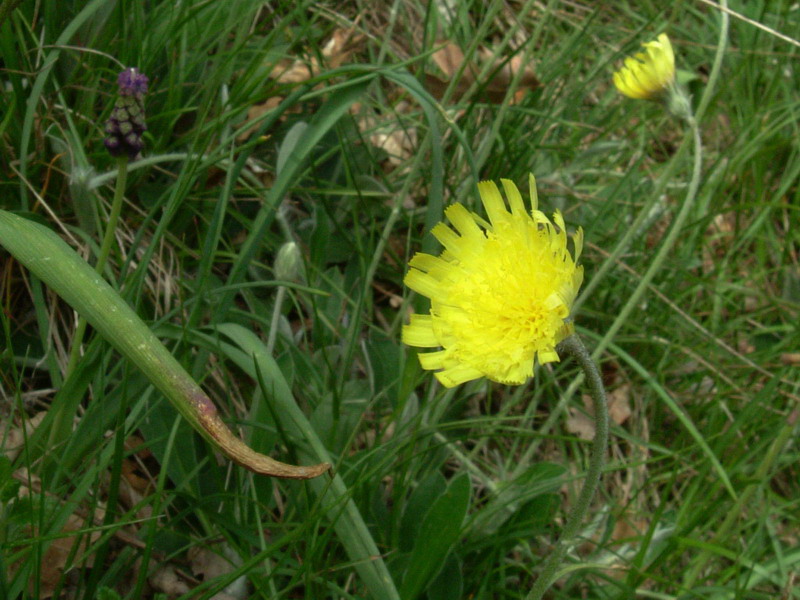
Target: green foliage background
(462,491)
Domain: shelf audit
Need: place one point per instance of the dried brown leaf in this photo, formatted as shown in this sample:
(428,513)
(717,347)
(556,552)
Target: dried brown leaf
(12,439)
(59,550)
(254,112)
(336,51)
(450,59)
(619,404)
(579,423)
(341,46)
(165,579)
(207,564)
(619,410)
(790,358)
(398,141)
(293,71)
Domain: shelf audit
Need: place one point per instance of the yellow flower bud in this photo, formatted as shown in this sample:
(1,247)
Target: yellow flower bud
(648,74)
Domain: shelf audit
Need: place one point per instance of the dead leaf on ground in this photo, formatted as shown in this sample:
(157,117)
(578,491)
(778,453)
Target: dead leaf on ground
(165,579)
(207,565)
(12,439)
(337,50)
(136,482)
(450,59)
(790,358)
(628,527)
(397,140)
(719,236)
(60,549)
(579,423)
(619,410)
(254,113)
(628,530)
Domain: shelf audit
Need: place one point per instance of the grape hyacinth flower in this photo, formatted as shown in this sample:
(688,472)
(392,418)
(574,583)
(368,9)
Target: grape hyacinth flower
(126,124)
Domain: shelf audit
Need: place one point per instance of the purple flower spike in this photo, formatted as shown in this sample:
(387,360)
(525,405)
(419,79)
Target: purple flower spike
(126,124)
(132,83)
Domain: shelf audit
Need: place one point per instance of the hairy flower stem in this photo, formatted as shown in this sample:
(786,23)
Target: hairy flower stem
(633,300)
(666,246)
(102,258)
(573,346)
(660,186)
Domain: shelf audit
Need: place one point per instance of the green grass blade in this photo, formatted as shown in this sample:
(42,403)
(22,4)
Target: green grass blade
(324,120)
(49,258)
(333,494)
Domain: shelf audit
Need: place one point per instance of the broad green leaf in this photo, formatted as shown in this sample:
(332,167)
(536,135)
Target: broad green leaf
(438,534)
(449,583)
(418,506)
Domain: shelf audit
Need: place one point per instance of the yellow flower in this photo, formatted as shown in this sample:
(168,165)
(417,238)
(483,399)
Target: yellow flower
(648,73)
(501,291)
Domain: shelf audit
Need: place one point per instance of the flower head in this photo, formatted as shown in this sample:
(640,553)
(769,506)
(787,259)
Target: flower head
(126,124)
(132,83)
(649,73)
(501,291)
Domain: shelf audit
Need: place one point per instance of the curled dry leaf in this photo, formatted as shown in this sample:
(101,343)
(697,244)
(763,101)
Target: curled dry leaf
(337,50)
(136,483)
(165,579)
(619,409)
(579,423)
(390,134)
(719,236)
(61,549)
(628,530)
(207,564)
(450,60)
(790,358)
(12,438)
(254,113)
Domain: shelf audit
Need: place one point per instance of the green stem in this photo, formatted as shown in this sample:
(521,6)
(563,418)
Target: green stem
(113,217)
(716,67)
(276,315)
(635,228)
(105,250)
(633,300)
(573,346)
(666,246)
(595,280)
(98,180)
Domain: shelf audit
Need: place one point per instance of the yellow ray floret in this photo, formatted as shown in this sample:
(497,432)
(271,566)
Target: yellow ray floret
(647,74)
(501,292)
